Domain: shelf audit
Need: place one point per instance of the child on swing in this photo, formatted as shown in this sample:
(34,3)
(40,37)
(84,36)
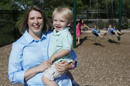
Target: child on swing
(113,31)
(97,33)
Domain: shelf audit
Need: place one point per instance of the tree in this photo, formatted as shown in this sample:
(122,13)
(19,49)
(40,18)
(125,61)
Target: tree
(6,4)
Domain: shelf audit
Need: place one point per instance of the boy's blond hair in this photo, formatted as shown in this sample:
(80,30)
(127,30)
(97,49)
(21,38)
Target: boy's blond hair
(65,12)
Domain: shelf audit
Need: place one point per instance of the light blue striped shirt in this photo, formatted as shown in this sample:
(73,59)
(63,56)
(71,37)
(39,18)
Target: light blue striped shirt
(61,40)
(27,53)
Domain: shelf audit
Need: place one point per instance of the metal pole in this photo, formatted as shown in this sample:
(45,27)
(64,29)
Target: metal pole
(120,17)
(112,13)
(97,12)
(74,24)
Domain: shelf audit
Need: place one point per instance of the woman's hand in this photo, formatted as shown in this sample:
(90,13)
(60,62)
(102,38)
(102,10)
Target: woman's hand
(33,71)
(43,66)
(62,66)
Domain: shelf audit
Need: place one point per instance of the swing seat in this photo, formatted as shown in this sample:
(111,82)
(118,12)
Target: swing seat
(95,34)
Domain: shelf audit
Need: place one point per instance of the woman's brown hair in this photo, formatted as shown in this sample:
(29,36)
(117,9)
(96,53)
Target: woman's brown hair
(23,25)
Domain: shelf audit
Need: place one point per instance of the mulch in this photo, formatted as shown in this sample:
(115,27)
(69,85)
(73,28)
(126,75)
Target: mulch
(100,63)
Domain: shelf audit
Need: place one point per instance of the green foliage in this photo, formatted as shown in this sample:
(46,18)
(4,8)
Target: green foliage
(6,5)
(49,5)
(6,32)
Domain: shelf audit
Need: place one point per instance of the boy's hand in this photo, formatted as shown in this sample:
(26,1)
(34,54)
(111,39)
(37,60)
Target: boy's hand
(62,66)
(51,60)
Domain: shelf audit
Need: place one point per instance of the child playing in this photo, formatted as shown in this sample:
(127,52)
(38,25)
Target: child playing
(97,33)
(61,44)
(113,31)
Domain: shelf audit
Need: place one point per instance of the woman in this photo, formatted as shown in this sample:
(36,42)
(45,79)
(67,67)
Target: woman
(29,54)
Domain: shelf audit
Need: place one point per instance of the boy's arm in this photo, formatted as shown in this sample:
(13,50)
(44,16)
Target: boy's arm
(59,54)
(66,46)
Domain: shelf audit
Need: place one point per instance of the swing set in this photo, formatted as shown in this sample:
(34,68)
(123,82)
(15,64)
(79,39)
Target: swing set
(74,21)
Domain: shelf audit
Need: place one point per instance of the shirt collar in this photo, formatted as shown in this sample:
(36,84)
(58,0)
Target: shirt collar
(29,38)
(44,35)
(55,33)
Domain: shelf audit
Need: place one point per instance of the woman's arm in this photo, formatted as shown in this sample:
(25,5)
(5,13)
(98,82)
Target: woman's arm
(33,71)
(15,68)
(86,26)
(16,72)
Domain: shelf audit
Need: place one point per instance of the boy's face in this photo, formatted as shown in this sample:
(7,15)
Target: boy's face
(110,26)
(95,26)
(59,22)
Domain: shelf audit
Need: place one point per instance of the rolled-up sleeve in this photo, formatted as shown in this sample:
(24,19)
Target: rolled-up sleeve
(15,69)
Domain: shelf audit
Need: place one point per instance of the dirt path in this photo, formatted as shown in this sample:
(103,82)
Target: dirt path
(102,64)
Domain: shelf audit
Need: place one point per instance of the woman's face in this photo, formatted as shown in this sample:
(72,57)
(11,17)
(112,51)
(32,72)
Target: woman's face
(35,22)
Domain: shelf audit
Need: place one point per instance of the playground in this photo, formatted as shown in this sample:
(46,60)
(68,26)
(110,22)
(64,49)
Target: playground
(99,64)
(101,61)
